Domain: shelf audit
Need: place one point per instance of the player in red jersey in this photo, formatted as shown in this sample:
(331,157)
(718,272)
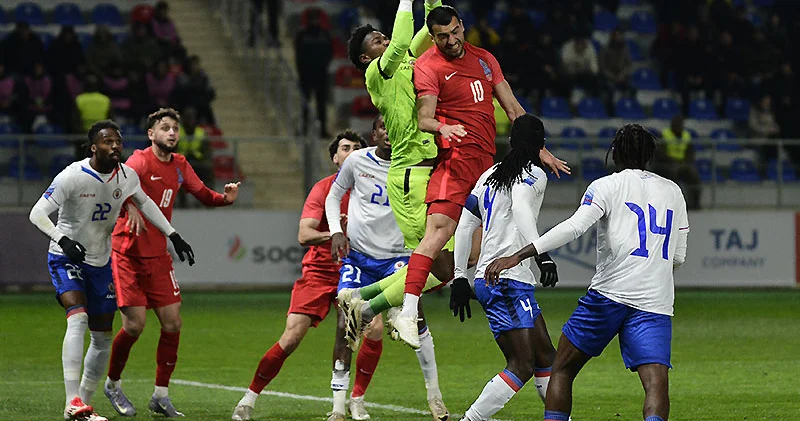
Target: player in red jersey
(455,84)
(315,291)
(142,266)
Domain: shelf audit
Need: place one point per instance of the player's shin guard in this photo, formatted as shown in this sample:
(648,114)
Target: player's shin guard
(340,382)
(419,266)
(268,368)
(72,350)
(541,378)
(166,357)
(366,363)
(120,350)
(94,365)
(427,362)
(500,389)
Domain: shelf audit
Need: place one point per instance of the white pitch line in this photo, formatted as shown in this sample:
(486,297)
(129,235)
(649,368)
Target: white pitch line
(395,408)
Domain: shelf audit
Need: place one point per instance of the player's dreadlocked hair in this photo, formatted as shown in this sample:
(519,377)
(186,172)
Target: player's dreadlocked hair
(348,134)
(527,139)
(355,46)
(632,147)
(94,131)
(156,116)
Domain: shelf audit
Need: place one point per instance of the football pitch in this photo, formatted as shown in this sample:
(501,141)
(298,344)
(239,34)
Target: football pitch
(734,356)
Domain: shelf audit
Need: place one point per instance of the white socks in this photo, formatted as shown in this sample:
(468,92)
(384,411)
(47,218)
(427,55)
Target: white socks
(95,363)
(161,392)
(72,351)
(541,385)
(249,398)
(427,362)
(410,303)
(494,396)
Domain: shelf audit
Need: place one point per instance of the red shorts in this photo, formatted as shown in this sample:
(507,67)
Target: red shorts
(144,281)
(313,295)
(457,170)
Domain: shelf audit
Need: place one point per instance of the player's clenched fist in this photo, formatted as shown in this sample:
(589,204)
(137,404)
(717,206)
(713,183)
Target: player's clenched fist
(232,192)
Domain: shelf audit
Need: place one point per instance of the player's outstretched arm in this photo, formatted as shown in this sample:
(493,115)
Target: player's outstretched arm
(422,39)
(470,220)
(205,195)
(402,34)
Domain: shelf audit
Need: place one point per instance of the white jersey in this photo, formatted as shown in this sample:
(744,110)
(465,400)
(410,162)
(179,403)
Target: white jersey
(371,226)
(642,221)
(88,206)
(504,233)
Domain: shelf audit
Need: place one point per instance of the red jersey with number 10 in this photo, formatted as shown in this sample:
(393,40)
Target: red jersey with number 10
(161,182)
(464,87)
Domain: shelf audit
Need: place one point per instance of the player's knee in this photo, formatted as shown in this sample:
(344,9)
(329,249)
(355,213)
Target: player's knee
(172,325)
(522,369)
(133,327)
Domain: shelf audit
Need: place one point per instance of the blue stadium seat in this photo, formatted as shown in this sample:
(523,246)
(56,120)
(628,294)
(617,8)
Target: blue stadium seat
(642,22)
(605,21)
(564,177)
(46,38)
(348,18)
(30,171)
(635,50)
(629,108)
(705,170)
(525,103)
(131,130)
(645,79)
(50,130)
(702,109)
(84,39)
(592,108)
(555,107)
(737,109)
(9,129)
(497,18)
(575,138)
(788,173)
(657,133)
(744,170)
(466,16)
(573,133)
(68,14)
(607,132)
(537,17)
(665,108)
(721,136)
(593,168)
(59,162)
(3,20)
(107,14)
(692,132)
(29,12)
(597,46)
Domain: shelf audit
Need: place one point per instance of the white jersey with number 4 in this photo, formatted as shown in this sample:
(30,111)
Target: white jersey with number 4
(502,235)
(642,223)
(88,206)
(371,226)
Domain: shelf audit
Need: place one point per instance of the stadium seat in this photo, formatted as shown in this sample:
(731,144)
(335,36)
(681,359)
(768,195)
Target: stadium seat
(131,130)
(598,47)
(347,76)
(788,173)
(29,12)
(702,109)
(574,138)
(362,107)
(657,133)
(84,39)
(68,14)
(348,18)
(605,21)
(645,79)
(324,19)
(107,14)
(593,168)
(339,48)
(46,38)
(30,170)
(642,22)
(50,130)
(7,129)
(3,20)
(58,163)
(225,168)
(665,108)
(120,37)
(537,17)
(744,170)
(607,132)
(721,136)
(555,107)
(551,177)
(497,18)
(592,108)
(525,104)
(737,109)
(705,168)
(142,13)
(691,131)
(573,133)
(629,108)
(635,50)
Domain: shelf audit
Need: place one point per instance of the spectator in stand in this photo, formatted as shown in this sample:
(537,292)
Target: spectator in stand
(140,99)
(580,65)
(516,53)
(195,146)
(160,85)
(546,62)
(776,33)
(727,68)
(102,51)
(761,59)
(140,51)
(118,89)
(665,47)
(521,24)
(484,36)
(616,65)
(675,161)
(9,93)
(194,89)
(273,12)
(691,66)
(40,102)
(763,125)
(313,54)
(164,30)
(21,49)
(65,54)
(91,107)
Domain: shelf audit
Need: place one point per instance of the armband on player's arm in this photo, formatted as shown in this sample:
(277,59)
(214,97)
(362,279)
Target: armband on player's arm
(39,216)
(422,40)
(463,238)
(151,211)
(402,33)
(333,206)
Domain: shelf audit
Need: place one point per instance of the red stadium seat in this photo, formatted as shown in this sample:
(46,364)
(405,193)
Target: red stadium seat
(324,19)
(348,76)
(215,137)
(225,168)
(339,48)
(142,13)
(362,107)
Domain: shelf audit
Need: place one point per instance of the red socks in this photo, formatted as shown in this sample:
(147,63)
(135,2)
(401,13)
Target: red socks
(419,267)
(366,362)
(268,367)
(120,350)
(166,357)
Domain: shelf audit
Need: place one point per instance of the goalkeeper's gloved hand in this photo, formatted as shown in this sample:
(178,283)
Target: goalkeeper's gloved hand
(460,293)
(182,248)
(74,250)
(547,266)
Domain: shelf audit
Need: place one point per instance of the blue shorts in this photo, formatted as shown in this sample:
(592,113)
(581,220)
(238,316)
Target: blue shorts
(96,283)
(644,337)
(508,305)
(359,270)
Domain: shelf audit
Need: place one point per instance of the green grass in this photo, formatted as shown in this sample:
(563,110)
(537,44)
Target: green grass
(734,354)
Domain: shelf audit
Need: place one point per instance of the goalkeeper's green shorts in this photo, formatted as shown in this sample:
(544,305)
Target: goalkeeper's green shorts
(407,188)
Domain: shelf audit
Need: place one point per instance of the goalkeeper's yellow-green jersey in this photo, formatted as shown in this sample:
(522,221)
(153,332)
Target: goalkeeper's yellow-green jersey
(390,85)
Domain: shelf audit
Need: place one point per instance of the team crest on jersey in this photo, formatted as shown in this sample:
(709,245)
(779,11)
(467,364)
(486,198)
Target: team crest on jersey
(399,265)
(180,176)
(116,194)
(486,70)
(587,198)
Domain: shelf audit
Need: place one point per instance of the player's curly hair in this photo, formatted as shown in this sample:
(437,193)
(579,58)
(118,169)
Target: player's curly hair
(355,45)
(92,135)
(348,134)
(632,147)
(527,139)
(156,116)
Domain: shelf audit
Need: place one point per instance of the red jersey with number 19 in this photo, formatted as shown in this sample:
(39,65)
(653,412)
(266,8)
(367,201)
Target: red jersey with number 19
(161,182)
(464,87)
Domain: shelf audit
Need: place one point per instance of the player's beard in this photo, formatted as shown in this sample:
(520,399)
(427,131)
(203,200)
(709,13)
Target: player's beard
(166,148)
